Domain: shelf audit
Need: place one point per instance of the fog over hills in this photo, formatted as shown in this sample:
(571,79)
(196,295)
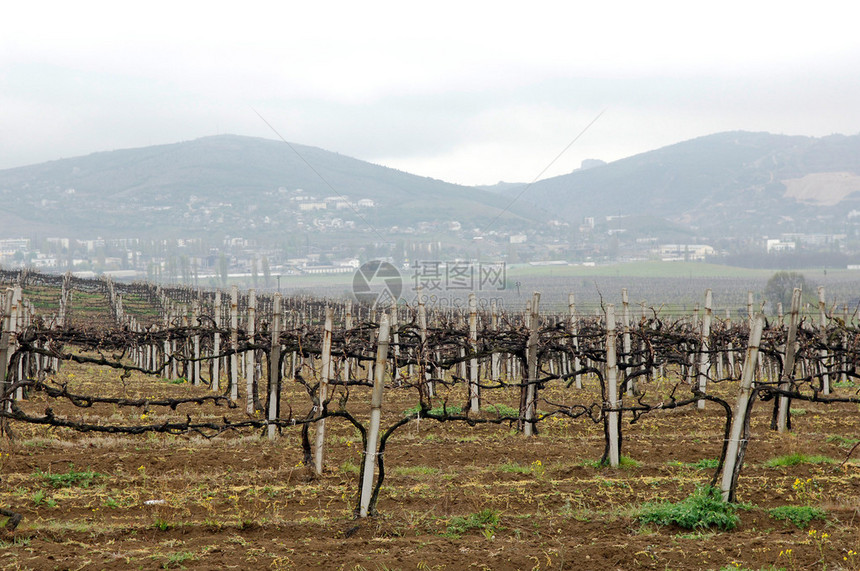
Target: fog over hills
(719,184)
(732,183)
(227,183)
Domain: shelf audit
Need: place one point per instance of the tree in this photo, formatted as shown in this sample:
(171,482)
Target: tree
(780,287)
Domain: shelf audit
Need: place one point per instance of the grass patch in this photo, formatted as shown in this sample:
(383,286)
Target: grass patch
(706,463)
(702,509)
(415,471)
(536,468)
(69,479)
(502,410)
(703,464)
(842,441)
(438,411)
(486,521)
(798,515)
(796,459)
(349,467)
(515,468)
(39,498)
(623,462)
(17,541)
(176,560)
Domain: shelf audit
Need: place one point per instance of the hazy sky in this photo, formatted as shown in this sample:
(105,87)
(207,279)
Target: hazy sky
(468,92)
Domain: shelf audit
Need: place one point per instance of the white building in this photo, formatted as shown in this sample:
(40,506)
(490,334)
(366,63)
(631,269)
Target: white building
(774,245)
(684,252)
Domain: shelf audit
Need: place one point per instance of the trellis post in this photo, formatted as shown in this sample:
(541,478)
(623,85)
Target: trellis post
(822,324)
(704,354)
(788,365)
(367,472)
(532,358)
(325,373)
(216,345)
(474,389)
(234,343)
(613,402)
(736,448)
(249,355)
(275,370)
(625,340)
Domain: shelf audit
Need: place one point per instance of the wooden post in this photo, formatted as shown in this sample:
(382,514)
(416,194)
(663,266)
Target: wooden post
(474,389)
(5,353)
(495,357)
(704,355)
(166,346)
(822,324)
(250,397)
(195,344)
(612,388)
(216,345)
(750,309)
(730,348)
(788,367)
(422,332)
(367,472)
(532,357)
(275,370)
(347,325)
(736,449)
(325,373)
(234,343)
(625,339)
(174,362)
(574,332)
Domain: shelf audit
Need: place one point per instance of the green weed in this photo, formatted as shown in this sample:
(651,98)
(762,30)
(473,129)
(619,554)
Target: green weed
(623,462)
(486,521)
(796,459)
(70,478)
(177,559)
(798,515)
(415,471)
(349,467)
(702,509)
(842,441)
(438,411)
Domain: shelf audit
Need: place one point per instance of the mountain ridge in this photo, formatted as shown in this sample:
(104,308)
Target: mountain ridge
(728,183)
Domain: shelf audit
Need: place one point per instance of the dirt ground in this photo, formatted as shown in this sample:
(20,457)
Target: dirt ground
(455,497)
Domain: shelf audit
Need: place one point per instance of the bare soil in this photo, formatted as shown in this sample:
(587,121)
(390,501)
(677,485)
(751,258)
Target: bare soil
(239,501)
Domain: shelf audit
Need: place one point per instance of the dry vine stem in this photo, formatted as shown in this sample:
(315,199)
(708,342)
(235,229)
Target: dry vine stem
(305,339)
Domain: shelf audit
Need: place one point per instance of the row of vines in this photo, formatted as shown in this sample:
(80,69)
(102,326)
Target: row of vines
(458,366)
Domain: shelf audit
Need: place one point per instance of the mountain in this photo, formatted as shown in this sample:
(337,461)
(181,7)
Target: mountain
(727,183)
(737,184)
(228,184)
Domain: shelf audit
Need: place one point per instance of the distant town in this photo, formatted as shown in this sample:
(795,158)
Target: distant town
(331,235)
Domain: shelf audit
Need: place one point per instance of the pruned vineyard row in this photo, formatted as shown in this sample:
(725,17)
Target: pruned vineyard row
(460,366)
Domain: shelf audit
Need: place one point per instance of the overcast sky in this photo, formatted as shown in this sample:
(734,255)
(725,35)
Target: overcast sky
(468,92)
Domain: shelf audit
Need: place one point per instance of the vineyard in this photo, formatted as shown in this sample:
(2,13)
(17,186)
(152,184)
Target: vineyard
(168,427)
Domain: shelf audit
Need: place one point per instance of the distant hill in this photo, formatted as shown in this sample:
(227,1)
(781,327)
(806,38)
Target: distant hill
(231,184)
(727,184)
